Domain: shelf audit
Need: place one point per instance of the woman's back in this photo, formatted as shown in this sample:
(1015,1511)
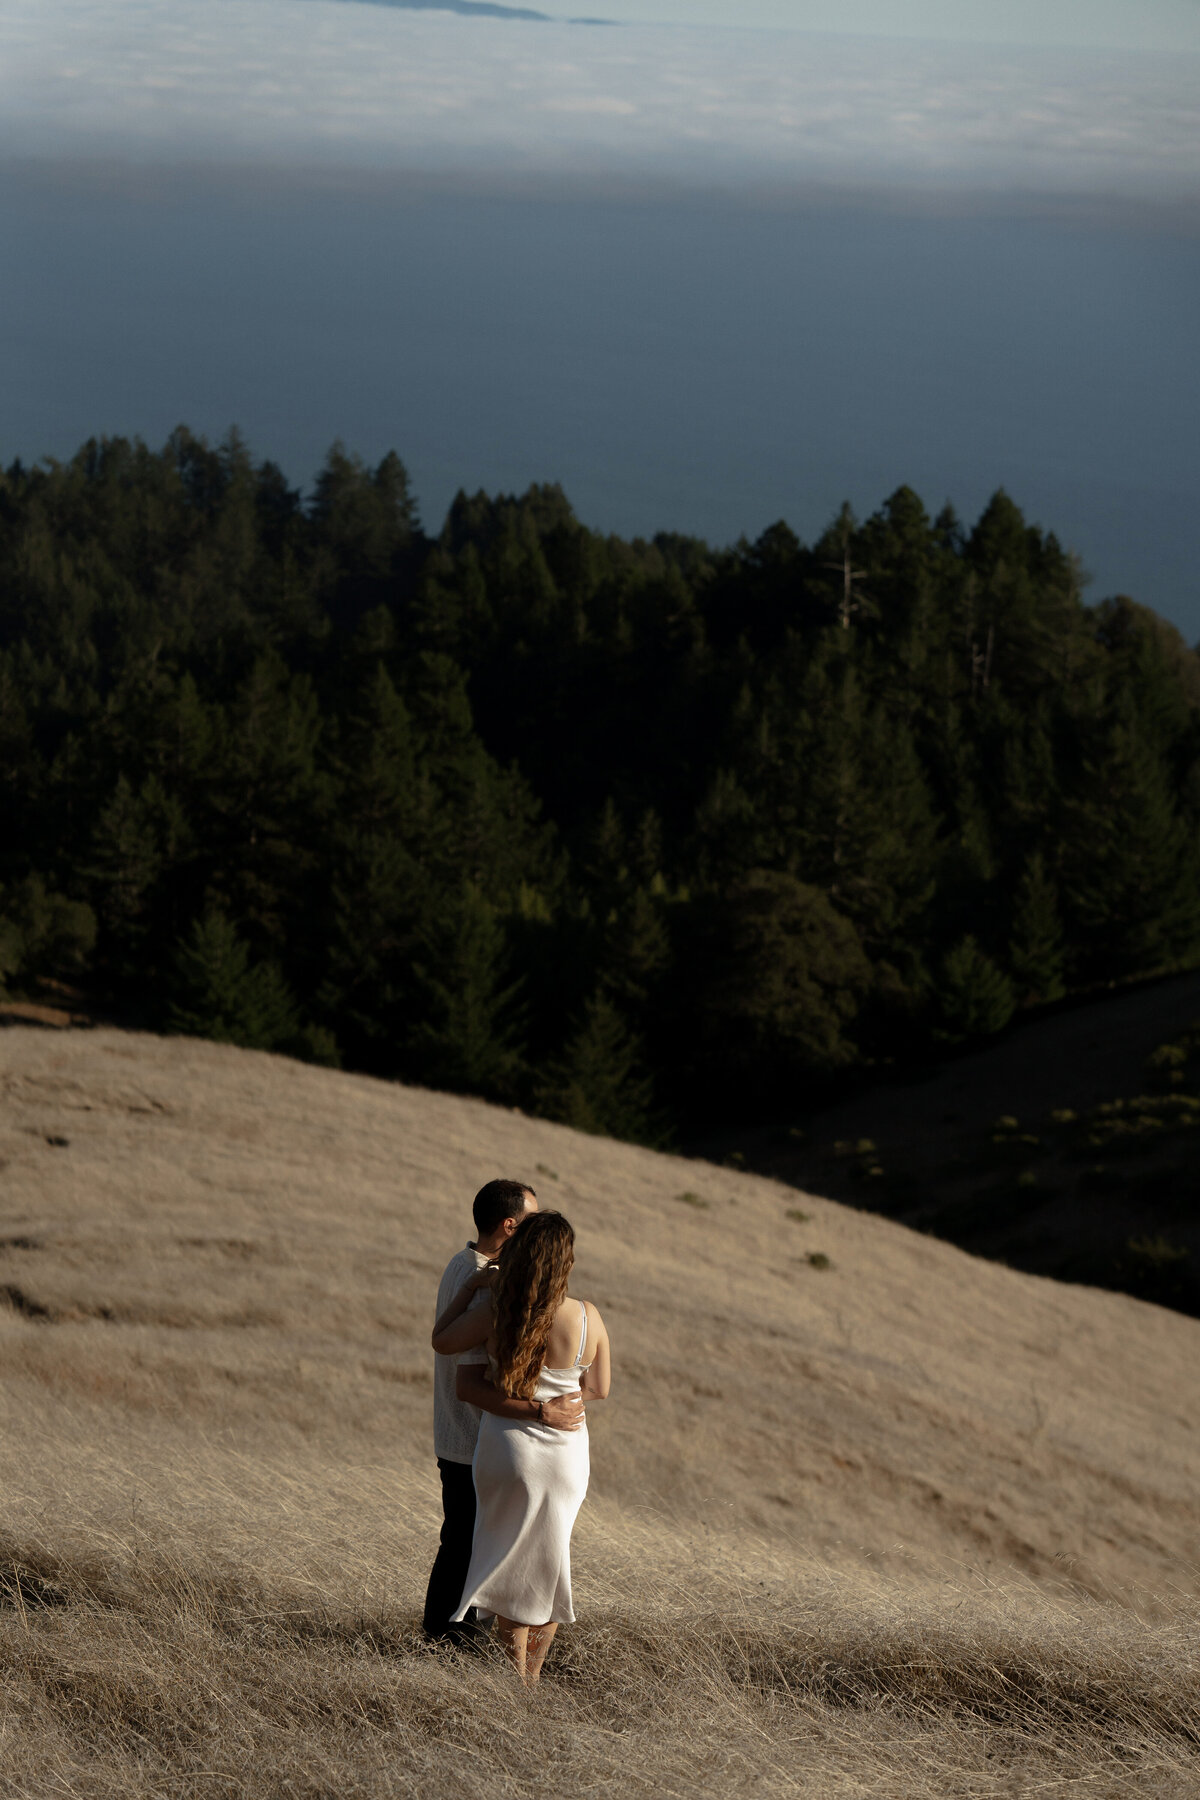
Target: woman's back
(577,1353)
(567,1352)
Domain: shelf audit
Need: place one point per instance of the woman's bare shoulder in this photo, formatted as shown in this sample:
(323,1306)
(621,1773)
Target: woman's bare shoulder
(594,1317)
(565,1325)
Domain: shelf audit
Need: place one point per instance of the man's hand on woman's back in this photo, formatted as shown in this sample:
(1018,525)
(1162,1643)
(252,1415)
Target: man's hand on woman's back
(564,1412)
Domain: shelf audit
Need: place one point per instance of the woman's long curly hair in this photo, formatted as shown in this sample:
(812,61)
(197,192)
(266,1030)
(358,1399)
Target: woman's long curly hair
(531,1285)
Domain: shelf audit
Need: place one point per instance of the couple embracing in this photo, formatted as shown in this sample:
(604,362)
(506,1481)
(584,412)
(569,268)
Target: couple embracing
(518,1357)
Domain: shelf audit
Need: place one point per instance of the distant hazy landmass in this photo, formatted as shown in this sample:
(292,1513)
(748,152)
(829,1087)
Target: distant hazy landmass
(479,9)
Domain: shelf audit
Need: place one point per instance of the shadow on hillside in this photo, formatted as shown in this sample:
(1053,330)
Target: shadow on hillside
(1070,1148)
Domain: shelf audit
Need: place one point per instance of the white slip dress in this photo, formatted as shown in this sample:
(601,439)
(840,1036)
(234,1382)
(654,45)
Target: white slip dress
(530,1481)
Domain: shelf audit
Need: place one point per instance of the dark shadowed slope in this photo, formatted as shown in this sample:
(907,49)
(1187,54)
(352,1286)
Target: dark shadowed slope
(1059,1148)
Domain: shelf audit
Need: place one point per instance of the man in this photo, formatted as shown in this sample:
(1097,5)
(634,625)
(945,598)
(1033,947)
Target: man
(498,1209)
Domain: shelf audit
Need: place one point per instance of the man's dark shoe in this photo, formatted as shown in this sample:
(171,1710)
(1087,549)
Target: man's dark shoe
(469,1635)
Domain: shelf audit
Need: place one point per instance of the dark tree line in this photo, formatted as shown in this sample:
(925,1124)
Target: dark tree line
(632,833)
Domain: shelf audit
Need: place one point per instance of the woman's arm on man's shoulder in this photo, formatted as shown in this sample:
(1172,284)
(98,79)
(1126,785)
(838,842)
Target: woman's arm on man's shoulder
(597,1377)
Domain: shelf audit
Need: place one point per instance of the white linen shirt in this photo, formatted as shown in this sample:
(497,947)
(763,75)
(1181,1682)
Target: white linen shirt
(455,1424)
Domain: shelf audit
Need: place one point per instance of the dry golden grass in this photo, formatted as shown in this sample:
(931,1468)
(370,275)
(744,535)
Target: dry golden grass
(909,1525)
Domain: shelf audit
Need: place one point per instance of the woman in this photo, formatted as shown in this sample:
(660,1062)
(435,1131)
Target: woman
(530,1479)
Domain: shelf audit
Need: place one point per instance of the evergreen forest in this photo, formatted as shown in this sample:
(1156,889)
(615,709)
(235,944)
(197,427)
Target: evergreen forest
(632,834)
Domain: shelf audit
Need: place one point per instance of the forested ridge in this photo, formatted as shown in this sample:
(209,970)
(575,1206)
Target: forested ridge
(635,834)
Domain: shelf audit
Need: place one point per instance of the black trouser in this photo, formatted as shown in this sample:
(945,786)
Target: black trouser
(448,1576)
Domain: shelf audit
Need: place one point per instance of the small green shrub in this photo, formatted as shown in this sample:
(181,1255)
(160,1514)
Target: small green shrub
(817,1259)
(1155,1270)
(794,1213)
(1131,1125)
(1174,1064)
(1015,1137)
(690,1199)
(1158,1252)
(550,1174)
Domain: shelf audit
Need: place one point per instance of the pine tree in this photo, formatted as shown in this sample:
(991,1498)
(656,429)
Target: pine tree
(1035,947)
(375,761)
(364,516)
(1131,864)
(841,799)
(480,821)
(452,612)
(598,1084)
(266,798)
(218,993)
(19,765)
(837,554)
(728,831)
(637,950)
(379,894)
(780,977)
(965,862)
(139,838)
(975,997)
(603,860)
(379,900)
(470,1035)
(901,551)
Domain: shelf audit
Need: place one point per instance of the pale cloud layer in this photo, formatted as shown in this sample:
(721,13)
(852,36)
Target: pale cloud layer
(304,83)
(1100,24)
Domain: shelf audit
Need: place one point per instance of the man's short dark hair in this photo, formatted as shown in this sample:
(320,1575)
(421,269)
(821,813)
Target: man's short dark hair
(498,1201)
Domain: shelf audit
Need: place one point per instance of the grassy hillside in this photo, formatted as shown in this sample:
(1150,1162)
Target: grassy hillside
(868,1516)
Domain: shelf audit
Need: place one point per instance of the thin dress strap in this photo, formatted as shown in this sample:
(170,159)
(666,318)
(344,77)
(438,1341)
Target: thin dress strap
(582,1334)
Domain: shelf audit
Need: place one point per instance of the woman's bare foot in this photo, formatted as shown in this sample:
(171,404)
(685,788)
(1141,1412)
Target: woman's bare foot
(538,1642)
(514,1639)
(525,1646)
